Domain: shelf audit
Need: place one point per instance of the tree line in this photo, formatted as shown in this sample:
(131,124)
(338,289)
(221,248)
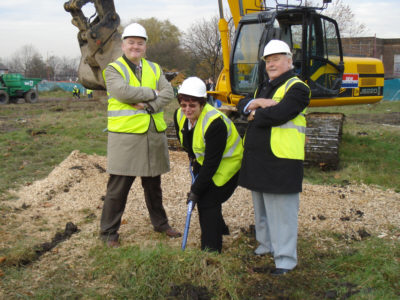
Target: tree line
(29,62)
(194,52)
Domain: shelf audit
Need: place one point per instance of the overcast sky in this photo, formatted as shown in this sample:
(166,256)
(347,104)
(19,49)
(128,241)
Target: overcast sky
(45,24)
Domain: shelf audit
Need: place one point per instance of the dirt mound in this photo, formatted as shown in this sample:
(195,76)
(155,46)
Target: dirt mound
(74,190)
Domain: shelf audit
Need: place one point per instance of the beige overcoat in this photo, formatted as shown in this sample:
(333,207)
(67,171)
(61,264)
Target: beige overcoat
(138,154)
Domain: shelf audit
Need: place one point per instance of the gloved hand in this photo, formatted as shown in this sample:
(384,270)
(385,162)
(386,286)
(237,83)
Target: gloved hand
(192,197)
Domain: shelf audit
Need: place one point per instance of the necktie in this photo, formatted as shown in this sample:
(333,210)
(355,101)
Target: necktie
(139,72)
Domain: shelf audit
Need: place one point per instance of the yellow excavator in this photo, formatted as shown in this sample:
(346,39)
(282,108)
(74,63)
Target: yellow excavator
(317,58)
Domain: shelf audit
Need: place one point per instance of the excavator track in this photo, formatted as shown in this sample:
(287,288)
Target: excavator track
(173,142)
(323,136)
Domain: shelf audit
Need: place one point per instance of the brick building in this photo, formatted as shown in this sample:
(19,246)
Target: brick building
(387,50)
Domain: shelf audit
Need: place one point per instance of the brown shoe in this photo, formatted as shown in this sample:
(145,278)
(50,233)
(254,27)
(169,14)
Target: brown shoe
(113,244)
(172,233)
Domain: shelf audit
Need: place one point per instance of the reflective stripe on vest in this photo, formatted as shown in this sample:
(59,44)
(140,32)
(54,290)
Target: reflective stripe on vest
(288,140)
(123,117)
(232,156)
(181,121)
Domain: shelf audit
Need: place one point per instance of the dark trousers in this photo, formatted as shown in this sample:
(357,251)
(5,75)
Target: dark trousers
(114,204)
(212,227)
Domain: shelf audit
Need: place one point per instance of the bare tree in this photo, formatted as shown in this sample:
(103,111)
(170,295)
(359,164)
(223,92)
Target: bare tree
(53,67)
(36,67)
(68,69)
(30,63)
(202,40)
(21,60)
(344,16)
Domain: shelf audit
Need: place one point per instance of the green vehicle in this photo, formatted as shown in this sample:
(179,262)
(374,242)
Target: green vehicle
(15,86)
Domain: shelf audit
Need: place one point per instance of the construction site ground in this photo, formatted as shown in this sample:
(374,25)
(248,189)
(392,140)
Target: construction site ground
(74,192)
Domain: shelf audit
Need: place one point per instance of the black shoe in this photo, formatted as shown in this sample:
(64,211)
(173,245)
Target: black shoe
(278,271)
(225,230)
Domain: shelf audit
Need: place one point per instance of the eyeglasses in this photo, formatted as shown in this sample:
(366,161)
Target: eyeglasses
(191,105)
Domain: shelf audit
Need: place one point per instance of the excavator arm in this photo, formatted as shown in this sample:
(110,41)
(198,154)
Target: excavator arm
(99,39)
(243,7)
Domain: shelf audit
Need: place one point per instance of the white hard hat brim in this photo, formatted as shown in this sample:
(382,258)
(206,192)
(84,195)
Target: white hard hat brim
(283,53)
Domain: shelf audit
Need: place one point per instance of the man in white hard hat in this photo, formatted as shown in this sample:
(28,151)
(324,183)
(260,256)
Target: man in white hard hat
(272,166)
(137,144)
(215,150)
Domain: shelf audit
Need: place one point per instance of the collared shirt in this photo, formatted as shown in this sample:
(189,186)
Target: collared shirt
(137,69)
(190,126)
(245,110)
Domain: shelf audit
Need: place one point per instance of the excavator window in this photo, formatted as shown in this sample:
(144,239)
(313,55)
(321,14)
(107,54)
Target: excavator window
(245,58)
(315,43)
(296,42)
(324,58)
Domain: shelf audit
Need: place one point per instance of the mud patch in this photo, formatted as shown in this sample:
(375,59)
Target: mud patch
(390,118)
(70,229)
(352,289)
(187,291)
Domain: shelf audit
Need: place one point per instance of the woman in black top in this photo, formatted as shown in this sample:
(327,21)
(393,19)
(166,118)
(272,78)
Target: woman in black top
(208,195)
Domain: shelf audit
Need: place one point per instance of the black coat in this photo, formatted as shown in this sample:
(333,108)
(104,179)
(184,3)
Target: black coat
(261,170)
(216,137)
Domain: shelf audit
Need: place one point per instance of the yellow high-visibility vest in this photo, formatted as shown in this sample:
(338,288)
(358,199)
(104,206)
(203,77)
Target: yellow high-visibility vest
(288,140)
(123,117)
(232,156)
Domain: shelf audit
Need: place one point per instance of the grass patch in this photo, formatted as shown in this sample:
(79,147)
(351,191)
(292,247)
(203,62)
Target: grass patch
(153,273)
(370,269)
(369,151)
(376,108)
(56,92)
(37,137)
(334,269)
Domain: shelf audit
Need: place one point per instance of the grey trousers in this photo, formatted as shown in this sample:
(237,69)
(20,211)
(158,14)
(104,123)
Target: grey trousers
(114,204)
(276,226)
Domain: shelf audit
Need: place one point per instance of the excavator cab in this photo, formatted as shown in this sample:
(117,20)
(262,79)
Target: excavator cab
(313,38)
(317,59)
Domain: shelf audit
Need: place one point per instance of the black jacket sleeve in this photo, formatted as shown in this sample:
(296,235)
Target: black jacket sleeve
(243,102)
(294,102)
(215,139)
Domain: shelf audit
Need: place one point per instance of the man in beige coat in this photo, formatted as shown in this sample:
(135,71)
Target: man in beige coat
(137,144)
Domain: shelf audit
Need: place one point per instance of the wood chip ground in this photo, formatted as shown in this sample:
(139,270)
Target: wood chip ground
(73,192)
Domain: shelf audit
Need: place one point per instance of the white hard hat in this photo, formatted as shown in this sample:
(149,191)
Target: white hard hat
(193,86)
(134,29)
(275,47)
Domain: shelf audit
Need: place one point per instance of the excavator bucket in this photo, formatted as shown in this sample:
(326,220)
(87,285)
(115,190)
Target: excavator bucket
(99,39)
